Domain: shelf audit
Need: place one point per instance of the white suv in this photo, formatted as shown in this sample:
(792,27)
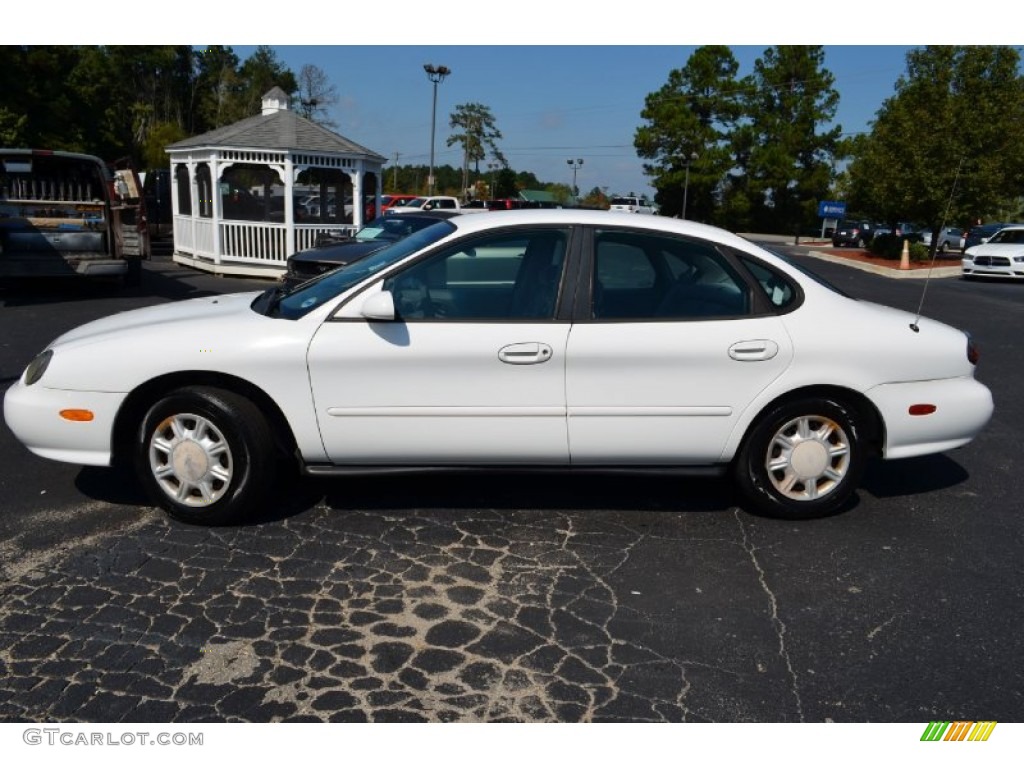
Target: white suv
(632,204)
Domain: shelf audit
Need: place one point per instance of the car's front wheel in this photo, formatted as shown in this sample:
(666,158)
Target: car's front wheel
(205,455)
(802,460)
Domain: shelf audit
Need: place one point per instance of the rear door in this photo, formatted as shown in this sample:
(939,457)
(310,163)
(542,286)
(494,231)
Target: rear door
(673,344)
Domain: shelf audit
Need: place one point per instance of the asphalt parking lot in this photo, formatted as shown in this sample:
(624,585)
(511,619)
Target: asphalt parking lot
(504,597)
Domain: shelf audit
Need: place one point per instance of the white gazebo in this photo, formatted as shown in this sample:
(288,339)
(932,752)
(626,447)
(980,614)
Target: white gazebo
(248,195)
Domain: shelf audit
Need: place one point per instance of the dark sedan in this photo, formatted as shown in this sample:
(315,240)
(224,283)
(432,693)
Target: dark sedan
(857,233)
(378,233)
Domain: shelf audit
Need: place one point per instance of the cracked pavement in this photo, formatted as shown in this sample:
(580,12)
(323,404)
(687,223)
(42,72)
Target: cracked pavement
(425,615)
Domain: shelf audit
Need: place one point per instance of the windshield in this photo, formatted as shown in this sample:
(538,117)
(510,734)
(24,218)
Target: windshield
(310,295)
(1008,236)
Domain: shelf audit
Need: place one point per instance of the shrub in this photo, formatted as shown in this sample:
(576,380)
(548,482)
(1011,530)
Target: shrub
(887,246)
(891,247)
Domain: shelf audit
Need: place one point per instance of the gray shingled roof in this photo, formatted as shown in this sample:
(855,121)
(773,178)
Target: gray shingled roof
(279,130)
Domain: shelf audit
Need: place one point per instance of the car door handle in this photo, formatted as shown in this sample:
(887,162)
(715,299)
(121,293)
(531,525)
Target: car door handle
(755,349)
(525,353)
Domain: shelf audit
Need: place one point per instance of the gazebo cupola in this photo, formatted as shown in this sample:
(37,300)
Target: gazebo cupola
(248,195)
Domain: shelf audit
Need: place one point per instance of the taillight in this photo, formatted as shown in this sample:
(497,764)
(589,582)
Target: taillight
(973,353)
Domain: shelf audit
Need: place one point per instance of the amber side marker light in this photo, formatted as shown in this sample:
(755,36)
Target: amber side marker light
(921,409)
(76,414)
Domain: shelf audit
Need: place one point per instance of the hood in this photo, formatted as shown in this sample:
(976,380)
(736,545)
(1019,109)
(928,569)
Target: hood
(212,308)
(996,249)
(340,253)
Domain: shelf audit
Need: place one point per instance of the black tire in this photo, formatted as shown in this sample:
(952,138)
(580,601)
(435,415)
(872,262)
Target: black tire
(833,459)
(206,455)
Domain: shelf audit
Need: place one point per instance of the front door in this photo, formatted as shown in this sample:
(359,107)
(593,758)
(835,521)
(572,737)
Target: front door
(471,371)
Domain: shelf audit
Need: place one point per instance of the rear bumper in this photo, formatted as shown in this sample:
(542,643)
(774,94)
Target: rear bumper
(963,406)
(55,266)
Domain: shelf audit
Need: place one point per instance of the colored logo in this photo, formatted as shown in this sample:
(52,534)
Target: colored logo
(959,730)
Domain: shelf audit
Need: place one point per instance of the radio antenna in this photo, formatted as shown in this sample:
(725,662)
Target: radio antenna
(935,249)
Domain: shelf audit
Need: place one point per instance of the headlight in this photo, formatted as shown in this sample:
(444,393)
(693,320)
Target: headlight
(1018,259)
(37,367)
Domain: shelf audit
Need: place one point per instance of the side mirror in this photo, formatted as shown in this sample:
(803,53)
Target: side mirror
(379,306)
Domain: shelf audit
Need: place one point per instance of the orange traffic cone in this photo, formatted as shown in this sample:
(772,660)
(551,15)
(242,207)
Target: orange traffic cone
(905,256)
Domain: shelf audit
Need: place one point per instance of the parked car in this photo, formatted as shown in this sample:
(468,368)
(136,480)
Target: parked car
(390,201)
(949,238)
(567,339)
(378,233)
(427,203)
(1002,255)
(855,232)
(980,233)
(506,204)
(631,204)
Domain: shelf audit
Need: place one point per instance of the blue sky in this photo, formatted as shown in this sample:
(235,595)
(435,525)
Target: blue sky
(563,80)
(551,103)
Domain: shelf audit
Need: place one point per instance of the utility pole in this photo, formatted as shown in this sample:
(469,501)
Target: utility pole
(394,175)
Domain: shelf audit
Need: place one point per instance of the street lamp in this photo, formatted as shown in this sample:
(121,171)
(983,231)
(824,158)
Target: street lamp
(435,75)
(575,165)
(686,184)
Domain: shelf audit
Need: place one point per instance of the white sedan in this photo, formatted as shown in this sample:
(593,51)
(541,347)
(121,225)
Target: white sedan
(528,339)
(1002,255)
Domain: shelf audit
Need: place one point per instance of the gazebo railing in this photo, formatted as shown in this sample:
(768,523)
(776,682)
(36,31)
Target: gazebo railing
(247,242)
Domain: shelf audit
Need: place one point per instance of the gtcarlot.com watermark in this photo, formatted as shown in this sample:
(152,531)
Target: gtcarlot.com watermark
(53,737)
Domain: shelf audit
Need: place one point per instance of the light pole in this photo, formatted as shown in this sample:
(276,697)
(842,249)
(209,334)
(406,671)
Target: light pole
(686,183)
(492,167)
(435,75)
(575,165)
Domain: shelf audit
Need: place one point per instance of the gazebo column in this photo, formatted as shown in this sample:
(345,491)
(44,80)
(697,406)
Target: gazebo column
(216,206)
(289,205)
(193,197)
(357,198)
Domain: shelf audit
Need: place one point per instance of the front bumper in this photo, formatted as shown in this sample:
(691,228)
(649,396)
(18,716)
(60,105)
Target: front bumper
(963,406)
(33,415)
(970,269)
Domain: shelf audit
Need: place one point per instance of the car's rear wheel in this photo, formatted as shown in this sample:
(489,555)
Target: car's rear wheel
(205,455)
(803,459)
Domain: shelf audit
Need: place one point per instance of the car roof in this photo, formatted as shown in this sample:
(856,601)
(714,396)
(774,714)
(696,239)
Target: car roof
(596,218)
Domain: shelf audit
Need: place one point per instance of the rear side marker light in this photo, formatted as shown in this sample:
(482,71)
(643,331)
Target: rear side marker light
(973,353)
(76,414)
(921,409)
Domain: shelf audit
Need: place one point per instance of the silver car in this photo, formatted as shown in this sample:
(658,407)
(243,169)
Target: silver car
(949,238)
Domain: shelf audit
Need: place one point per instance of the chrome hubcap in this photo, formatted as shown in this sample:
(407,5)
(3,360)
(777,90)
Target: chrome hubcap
(808,457)
(190,459)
